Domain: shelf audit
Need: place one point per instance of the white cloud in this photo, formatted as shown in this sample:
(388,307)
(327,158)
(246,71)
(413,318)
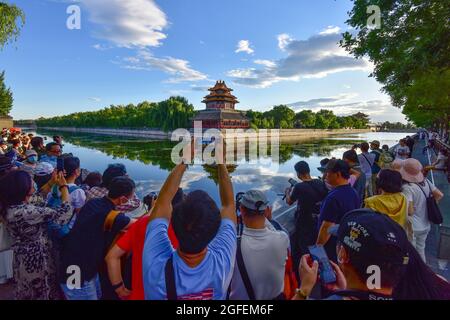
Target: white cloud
(345,104)
(330,30)
(284,40)
(179,69)
(266,63)
(315,57)
(101,47)
(244,46)
(130,23)
(95,99)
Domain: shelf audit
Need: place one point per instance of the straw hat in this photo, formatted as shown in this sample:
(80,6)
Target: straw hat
(411,171)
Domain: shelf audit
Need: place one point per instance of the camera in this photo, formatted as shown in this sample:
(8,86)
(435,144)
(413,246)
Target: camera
(148,199)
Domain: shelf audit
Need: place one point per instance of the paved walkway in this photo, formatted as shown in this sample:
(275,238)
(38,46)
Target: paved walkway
(439,178)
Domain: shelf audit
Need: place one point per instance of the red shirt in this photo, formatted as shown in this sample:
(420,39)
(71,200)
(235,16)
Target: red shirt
(133,241)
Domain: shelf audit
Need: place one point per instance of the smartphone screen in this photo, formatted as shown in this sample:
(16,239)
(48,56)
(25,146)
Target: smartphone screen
(292,182)
(326,271)
(59,164)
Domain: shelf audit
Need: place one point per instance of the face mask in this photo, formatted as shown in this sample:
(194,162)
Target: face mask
(32,159)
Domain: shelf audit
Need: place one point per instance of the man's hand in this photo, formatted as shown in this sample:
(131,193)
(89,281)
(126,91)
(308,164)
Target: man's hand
(308,274)
(123,292)
(341,282)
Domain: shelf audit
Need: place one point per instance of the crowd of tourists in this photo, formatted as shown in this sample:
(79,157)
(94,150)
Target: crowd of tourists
(68,234)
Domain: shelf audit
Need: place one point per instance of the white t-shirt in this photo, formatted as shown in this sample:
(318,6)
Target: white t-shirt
(366,160)
(402,152)
(265,253)
(414,194)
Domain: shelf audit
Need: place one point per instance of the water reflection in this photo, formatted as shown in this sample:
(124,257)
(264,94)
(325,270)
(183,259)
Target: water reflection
(148,162)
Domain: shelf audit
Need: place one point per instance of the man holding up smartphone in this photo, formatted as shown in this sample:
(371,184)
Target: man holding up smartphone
(372,255)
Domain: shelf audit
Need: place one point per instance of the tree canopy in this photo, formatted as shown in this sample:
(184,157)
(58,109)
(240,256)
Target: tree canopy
(12,20)
(409,52)
(173,113)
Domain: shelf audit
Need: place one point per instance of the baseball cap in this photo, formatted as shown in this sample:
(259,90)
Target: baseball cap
(43,169)
(323,165)
(254,200)
(368,234)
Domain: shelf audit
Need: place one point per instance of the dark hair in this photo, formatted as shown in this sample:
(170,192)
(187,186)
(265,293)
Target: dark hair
(15,142)
(389,181)
(364,146)
(15,186)
(420,282)
(71,164)
(350,155)
(196,221)
(339,166)
(42,180)
(113,171)
(36,142)
(391,273)
(121,186)
(302,167)
(50,145)
(93,179)
(56,138)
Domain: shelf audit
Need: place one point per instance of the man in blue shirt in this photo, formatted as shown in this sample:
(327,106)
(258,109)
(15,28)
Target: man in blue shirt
(53,151)
(375,147)
(342,199)
(201,268)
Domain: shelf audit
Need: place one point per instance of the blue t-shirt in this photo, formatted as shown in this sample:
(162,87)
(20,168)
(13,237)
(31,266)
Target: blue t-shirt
(339,201)
(207,281)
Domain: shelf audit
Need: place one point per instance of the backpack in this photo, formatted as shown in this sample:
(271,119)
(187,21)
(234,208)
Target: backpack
(55,200)
(386,159)
(434,213)
(56,231)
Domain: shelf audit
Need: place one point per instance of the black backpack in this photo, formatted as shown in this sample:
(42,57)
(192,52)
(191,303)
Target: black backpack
(434,213)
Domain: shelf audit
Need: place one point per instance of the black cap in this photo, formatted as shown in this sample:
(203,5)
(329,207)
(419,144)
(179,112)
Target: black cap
(368,233)
(323,165)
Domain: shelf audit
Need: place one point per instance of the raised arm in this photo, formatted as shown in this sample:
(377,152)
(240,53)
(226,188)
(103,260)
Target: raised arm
(226,194)
(163,204)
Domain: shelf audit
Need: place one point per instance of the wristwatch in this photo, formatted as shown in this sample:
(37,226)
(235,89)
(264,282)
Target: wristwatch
(117,286)
(301,294)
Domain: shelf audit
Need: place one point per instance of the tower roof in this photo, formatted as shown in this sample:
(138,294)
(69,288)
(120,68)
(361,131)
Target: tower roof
(220,92)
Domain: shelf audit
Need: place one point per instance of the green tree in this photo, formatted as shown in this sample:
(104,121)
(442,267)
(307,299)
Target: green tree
(412,44)
(12,20)
(6,97)
(282,116)
(305,119)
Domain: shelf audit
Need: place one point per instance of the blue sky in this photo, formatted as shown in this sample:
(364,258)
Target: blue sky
(270,52)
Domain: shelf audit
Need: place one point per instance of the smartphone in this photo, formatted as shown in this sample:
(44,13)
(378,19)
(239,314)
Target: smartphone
(326,271)
(59,164)
(292,182)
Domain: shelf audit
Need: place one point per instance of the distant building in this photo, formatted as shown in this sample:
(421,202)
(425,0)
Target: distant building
(220,110)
